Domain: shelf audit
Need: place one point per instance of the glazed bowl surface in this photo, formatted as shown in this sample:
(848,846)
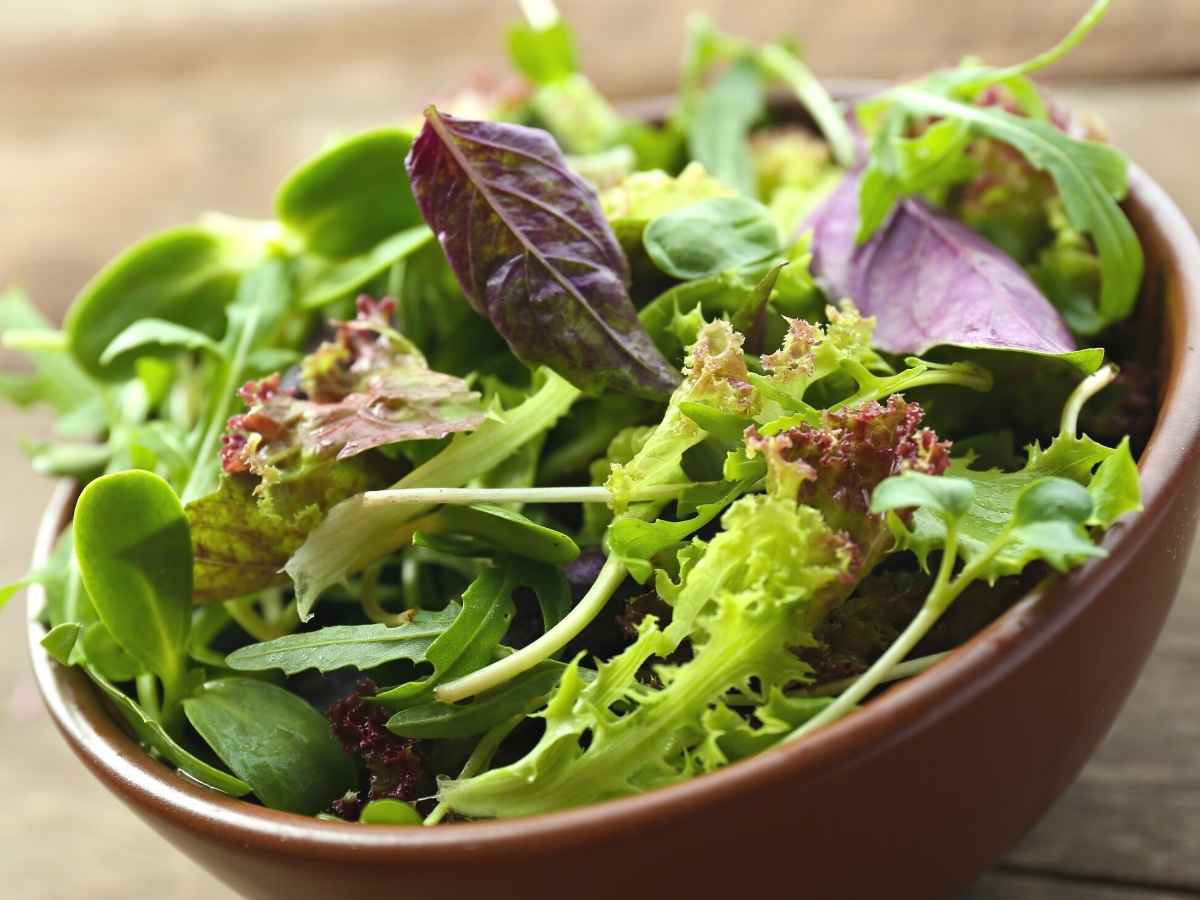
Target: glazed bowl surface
(911,797)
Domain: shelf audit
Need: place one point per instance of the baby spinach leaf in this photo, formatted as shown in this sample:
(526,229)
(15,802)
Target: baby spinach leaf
(186,275)
(720,122)
(389,812)
(274,741)
(352,196)
(529,245)
(361,647)
(135,555)
(157,332)
(930,280)
(712,236)
(522,694)
(154,737)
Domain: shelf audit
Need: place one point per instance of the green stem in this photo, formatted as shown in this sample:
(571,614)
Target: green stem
(147,694)
(905,669)
(466,496)
(200,476)
(605,585)
(242,612)
(1084,391)
(479,759)
(369,597)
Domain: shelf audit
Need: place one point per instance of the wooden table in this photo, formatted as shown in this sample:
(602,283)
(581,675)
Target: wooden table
(121,126)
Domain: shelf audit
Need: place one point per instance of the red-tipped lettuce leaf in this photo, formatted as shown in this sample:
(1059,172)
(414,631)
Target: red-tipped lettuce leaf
(533,252)
(930,280)
(366,388)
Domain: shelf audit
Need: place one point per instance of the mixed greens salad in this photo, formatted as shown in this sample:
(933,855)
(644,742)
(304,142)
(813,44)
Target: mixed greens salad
(534,455)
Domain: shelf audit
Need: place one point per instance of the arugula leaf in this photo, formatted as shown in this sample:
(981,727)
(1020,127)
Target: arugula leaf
(361,647)
(472,640)
(521,695)
(711,236)
(720,123)
(135,556)
(354,534)
(274,740)
(532,251)
(506,530)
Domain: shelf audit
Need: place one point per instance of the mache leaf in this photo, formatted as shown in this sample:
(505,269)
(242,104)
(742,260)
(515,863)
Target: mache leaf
(711,236)
(531,248)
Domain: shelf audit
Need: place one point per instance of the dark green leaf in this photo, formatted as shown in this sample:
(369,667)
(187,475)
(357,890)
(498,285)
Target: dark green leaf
(508,531)
(282,747)
(472,641)
(135,555)
(153,737)
(518,696)
(711,237)
(1053,500)
(361,647)
(352,196)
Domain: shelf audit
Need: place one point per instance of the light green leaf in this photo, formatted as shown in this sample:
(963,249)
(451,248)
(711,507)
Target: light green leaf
(720,122)
(320,281)
(135,556)
(59,641)
(947,495)
(389,812)
(157,332)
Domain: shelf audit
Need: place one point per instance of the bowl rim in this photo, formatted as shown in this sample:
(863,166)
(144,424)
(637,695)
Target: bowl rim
(155,789)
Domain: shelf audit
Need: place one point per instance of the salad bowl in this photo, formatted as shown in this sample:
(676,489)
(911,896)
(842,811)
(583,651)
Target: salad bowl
(911,797)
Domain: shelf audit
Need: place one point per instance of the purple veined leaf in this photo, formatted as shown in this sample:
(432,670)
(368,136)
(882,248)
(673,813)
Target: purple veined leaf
(533,252)
(930,280)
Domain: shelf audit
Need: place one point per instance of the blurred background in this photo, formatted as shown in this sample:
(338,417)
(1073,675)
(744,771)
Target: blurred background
(122,117)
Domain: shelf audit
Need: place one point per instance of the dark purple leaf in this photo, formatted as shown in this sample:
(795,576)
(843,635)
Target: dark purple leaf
(533,252)
(930,280)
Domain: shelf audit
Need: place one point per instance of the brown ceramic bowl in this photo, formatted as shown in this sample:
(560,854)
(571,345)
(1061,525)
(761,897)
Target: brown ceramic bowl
(912,797)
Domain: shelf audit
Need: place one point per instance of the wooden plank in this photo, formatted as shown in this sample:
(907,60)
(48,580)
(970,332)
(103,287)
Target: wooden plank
(1009,886)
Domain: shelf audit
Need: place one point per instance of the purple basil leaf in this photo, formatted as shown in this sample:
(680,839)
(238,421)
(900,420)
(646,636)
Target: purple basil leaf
(930,280)
(533,252)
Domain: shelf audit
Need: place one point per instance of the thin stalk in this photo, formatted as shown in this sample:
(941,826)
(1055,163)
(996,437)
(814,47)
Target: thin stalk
(605,585)
(200,475)
(147,694)
(924,620)
(468,496)
(369,597)
(479,759)
(1084,391)
(250,621)
(906,669)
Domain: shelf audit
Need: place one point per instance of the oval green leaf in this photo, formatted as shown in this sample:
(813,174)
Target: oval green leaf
(389,812)
(186,276)
(135,556)
(711,237)
(277,743)
(351,196)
